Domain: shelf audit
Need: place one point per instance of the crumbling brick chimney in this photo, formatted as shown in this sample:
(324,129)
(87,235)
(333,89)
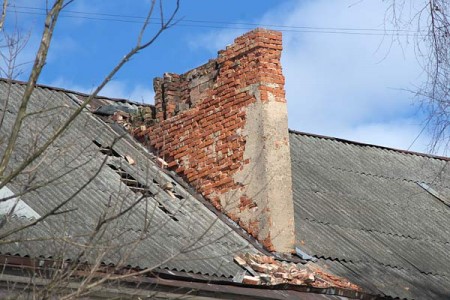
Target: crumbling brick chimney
(223,127)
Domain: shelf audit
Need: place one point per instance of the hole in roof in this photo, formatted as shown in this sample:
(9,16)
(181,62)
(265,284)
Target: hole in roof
(166,211)
(132,183)
(110,152)
(112,167)
(106,150)
(137,187)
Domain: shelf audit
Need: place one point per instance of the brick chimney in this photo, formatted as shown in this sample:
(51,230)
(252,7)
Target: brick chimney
(223,127)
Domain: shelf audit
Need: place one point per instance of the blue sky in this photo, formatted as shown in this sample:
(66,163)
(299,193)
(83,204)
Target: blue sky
(353,86)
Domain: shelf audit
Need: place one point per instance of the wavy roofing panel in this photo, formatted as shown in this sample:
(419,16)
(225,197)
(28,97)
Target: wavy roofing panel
(93,170)
(362,209)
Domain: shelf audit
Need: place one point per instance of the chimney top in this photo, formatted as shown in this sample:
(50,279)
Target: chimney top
(223,127)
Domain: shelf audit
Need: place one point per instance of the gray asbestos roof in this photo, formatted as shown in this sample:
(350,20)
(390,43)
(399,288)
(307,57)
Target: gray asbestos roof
(159,231)
(374,215)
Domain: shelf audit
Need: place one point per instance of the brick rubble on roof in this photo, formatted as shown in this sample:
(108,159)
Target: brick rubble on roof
(265,270)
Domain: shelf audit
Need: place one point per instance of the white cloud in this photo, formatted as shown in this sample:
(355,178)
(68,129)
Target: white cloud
(120,89)
(214,40)
(67,84)
(350,86)
(19,56)
(114,89)
(401,134)
(61,47)
(352,78)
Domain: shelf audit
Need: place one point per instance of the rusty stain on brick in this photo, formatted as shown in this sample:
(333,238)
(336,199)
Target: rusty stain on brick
(267,242)
(246,203)
(252,227)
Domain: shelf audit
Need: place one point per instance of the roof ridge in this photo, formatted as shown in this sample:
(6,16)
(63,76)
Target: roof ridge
(58,89)
(431,209)
(378,231)
(356,143)
(388,177)
(380,176)
(337,259)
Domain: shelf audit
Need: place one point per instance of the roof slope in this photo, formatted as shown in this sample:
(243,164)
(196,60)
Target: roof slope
(370,215)
(98,170)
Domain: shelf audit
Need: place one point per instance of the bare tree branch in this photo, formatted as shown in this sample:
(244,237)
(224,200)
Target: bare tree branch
(431,20)
(138,47)
(41,56)
(3,14)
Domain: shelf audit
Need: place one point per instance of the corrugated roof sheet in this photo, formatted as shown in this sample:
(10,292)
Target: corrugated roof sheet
(160,231)
(361,210)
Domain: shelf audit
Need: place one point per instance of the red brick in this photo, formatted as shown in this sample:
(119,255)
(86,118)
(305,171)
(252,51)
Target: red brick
(193,134)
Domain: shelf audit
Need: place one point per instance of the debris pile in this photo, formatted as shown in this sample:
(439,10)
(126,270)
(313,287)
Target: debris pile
(128,118)
(265,270)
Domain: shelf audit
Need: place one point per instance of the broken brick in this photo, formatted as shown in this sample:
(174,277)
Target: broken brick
(240,261)
(276,272)
(130,160)
(251,280)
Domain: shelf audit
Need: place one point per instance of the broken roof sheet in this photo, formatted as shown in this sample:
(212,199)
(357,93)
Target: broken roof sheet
(99,169)
(87,168)
(363,211)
